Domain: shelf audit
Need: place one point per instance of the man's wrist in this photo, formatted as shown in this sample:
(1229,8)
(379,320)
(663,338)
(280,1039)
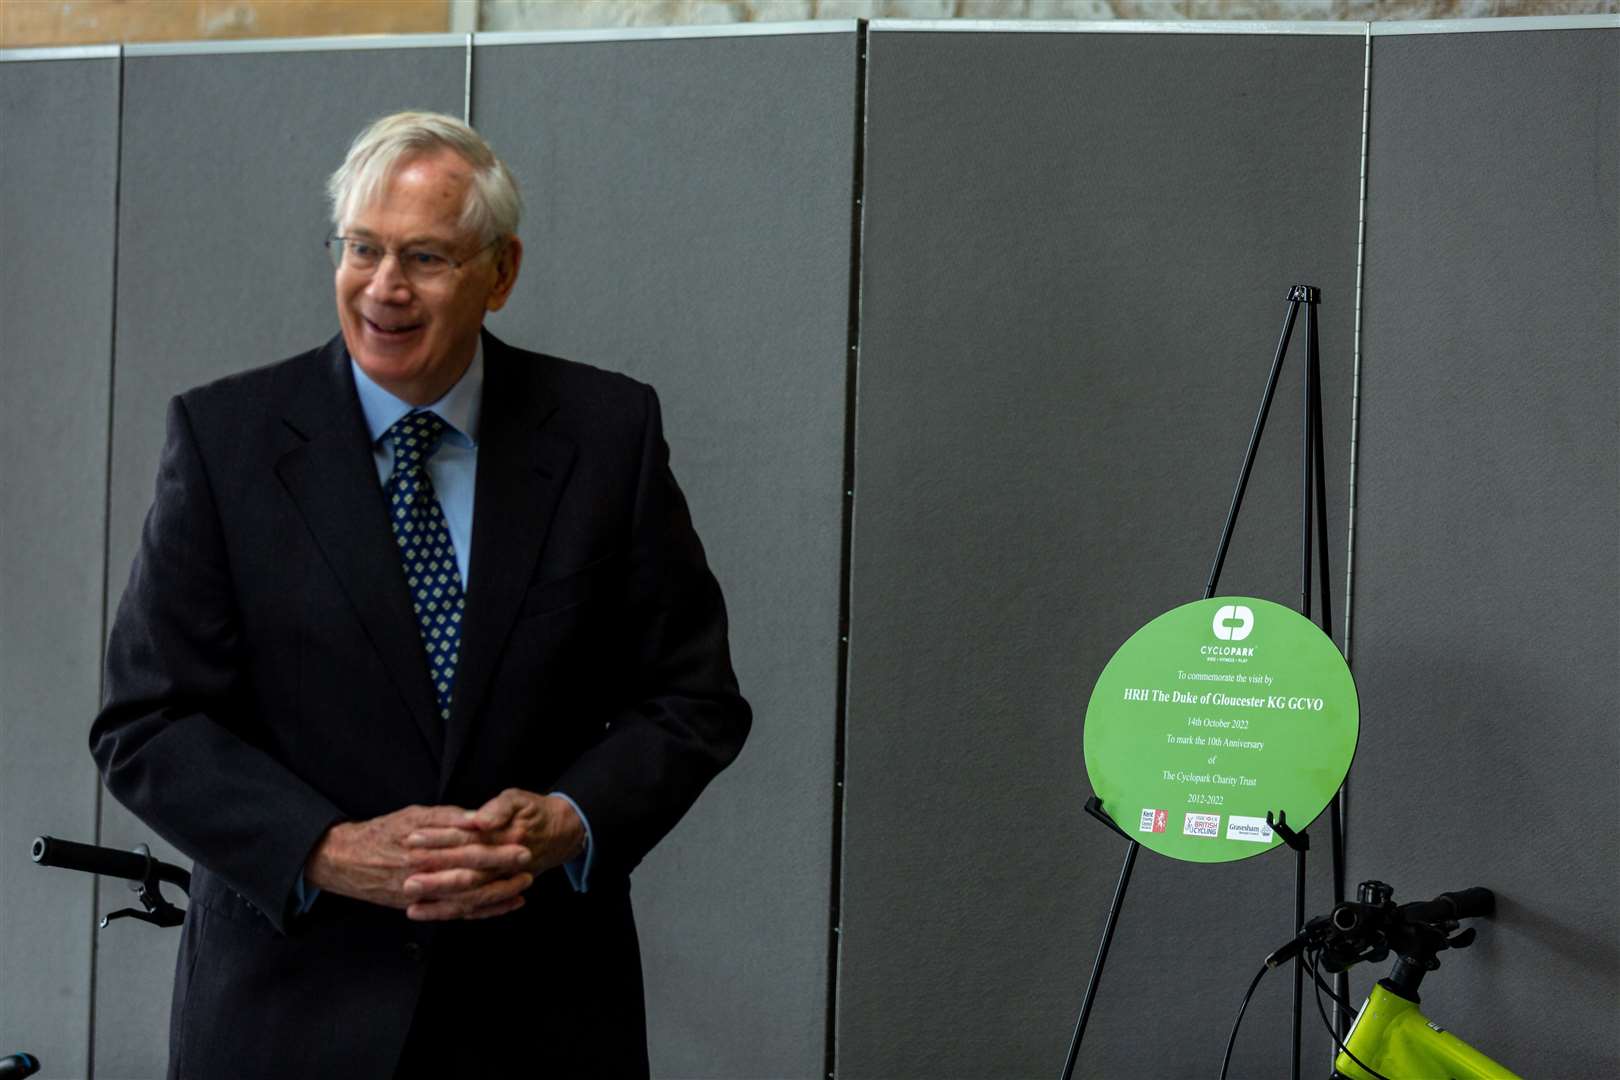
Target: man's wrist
(579,839)
(322,860)
(578,865)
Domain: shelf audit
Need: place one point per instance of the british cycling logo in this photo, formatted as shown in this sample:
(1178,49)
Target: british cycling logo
(1154,821)
(1201,825)
(1233,622)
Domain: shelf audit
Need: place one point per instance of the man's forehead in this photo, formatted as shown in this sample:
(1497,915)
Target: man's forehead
(428,189)
(443,166)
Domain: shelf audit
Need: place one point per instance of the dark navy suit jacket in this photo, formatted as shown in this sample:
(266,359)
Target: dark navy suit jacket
(266,678)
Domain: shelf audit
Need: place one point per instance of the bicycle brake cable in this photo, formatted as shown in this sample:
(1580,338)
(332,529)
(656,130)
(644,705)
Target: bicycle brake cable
(1309,960)
(1334,994)
(1226,1061)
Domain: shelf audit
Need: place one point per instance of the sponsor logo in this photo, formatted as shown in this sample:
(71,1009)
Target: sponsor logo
(1154,821)
(1233,622)
(1202,825)
(1248,828)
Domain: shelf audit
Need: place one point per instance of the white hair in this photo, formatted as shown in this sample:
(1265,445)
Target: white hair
(382,149)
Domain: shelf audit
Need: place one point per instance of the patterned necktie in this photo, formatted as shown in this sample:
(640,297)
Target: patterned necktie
(424,547)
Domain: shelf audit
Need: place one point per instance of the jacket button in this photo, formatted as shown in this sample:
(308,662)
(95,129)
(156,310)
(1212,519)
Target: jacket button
(413,951)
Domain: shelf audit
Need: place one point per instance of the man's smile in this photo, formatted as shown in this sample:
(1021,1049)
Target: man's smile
(390,327)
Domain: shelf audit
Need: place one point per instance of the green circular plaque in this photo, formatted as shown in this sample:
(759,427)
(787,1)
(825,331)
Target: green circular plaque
(1214,713)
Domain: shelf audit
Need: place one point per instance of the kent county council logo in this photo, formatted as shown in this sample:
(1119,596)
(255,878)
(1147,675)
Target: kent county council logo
(1202,825)
(1233,622)
(1154,821)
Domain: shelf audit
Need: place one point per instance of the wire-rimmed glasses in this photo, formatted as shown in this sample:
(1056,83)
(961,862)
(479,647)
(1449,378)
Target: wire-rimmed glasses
(419,264)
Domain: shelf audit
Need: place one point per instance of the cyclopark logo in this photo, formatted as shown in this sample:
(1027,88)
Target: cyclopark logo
(1154,821)
(1201,825)
(1233,622)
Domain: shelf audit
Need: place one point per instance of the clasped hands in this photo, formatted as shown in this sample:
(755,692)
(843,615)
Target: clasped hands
(447,862)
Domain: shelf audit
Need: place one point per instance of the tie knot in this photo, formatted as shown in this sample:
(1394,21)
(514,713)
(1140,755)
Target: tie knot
(416,435)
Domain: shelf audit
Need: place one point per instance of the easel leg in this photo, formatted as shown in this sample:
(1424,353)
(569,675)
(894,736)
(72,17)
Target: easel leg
(1102,957)
(1299,966)
(1336,810)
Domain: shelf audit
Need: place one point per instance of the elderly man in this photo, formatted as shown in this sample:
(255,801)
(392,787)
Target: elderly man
(419,657)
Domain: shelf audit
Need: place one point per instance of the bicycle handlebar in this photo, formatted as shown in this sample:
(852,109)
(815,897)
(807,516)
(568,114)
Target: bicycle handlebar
(110,862)
(1475,903)
(1370,928)
(1357,929)
(18,1066)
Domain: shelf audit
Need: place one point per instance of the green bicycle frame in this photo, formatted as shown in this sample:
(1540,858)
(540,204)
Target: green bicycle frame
(1393,1037)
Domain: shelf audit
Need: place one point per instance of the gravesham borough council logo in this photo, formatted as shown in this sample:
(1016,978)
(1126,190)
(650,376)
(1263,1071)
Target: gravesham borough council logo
(1233,622)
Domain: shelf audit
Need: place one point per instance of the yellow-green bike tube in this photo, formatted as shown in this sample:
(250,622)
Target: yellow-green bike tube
(1393,1037)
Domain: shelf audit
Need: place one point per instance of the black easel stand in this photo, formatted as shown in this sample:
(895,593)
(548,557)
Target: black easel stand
(1301,843)
(1313,511)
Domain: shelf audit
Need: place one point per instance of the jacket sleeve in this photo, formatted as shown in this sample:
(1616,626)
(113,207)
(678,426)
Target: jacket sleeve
(173,739)
(683,719)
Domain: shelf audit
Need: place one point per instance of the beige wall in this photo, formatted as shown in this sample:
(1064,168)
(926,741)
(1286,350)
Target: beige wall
(30,23)
(572,14)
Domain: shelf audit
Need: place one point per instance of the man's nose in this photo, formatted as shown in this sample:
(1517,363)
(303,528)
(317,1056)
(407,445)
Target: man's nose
(388,279)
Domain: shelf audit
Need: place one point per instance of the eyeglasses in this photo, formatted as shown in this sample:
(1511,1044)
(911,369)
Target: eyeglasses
(418,264)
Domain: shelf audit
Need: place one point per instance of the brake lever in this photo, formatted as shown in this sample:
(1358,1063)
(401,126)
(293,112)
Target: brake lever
(1462,940)
(1314,930)
(173,916)
(149,891)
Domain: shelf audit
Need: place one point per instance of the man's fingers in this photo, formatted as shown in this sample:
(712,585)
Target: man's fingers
(496,909)
(498,811)
(429,817)
(442,837)
(463,881)
(441,912)
(505,859)
(491,898)
(432,886)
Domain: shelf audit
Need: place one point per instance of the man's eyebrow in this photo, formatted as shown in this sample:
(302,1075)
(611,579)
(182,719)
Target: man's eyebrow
(414,241)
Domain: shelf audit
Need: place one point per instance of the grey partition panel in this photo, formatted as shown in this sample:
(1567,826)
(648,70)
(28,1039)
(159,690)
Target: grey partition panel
(689,219)
(1486,594)
(220,268)
(1076,253)
(58,170)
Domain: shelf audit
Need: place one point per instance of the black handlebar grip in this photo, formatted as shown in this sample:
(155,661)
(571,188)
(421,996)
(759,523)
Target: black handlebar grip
(49,851)
(1475,903)
(18,1066)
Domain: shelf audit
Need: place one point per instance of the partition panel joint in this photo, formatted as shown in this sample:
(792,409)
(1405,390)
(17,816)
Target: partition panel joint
(846,555)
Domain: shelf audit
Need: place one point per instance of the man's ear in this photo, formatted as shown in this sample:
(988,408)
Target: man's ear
(507,263)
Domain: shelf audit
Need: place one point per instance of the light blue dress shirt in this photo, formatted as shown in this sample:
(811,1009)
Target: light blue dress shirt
(453,468)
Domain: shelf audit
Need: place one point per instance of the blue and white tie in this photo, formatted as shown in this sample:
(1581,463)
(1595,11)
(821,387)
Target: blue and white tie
(425,549)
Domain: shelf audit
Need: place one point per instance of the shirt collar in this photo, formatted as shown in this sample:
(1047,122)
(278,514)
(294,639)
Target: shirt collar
(458,407)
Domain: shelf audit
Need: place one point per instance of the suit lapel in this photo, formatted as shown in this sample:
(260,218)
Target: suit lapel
(522,470)
(329,472)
